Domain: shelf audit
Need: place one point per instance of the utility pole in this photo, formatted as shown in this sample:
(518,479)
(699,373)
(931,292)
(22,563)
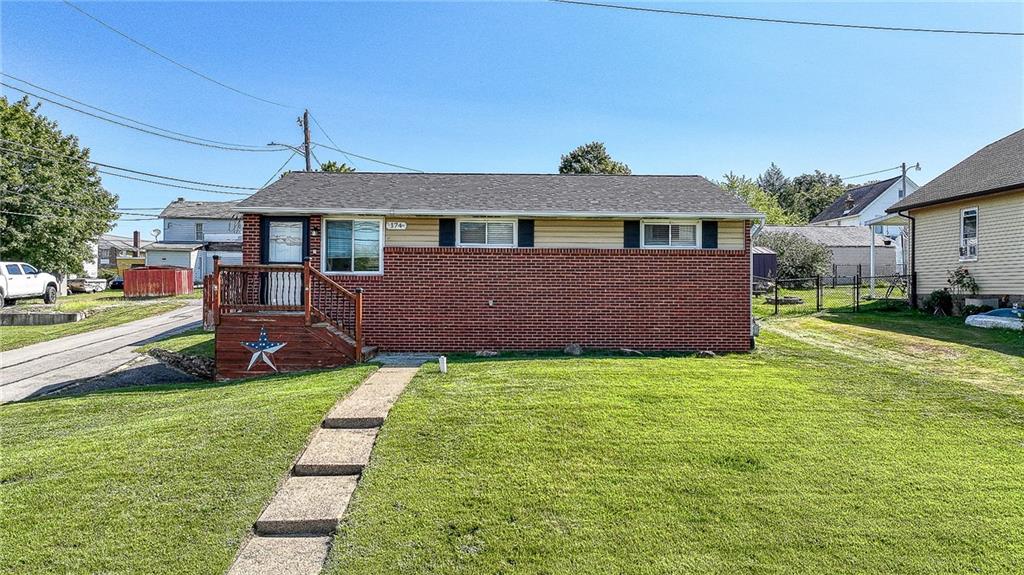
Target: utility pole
(309,165)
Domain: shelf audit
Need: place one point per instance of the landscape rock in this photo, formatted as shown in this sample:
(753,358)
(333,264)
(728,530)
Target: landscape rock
(573,349)
(706,353)
(201,367)
(628,351)
(486,353)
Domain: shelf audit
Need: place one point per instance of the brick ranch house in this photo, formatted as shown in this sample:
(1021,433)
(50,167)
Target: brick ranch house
(337,266)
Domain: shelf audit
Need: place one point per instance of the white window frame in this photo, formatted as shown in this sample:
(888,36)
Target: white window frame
(200,233)
(380,243)
(699,237)
(458,232)
(977,234)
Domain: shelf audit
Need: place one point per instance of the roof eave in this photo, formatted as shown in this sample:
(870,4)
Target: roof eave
(898,208)
(496,213)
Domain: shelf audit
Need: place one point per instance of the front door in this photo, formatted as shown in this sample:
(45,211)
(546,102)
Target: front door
(284,243)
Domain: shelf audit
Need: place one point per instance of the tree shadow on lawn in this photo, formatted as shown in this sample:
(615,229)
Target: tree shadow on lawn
(153,378)
(948,329)
(588,353)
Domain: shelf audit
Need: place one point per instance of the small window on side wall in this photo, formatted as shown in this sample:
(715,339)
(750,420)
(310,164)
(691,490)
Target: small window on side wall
(969,234)
(487,233)
(670,235)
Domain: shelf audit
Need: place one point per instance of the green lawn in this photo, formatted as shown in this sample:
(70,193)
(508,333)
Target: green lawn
(197,341)
(853,443)
(163,479)
(105,309)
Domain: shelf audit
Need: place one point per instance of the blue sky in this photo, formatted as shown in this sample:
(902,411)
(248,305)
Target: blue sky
(512,86)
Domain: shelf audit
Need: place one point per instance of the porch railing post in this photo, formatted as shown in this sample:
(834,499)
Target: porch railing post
(307,300)
(359,324)
(215,285)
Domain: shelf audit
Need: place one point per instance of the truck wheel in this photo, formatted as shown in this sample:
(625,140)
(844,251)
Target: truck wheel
(50,295)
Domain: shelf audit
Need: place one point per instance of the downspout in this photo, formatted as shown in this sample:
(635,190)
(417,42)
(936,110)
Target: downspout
(913,257)
(755,230)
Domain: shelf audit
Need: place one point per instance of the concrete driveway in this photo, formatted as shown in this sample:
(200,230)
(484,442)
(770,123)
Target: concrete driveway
(48,366)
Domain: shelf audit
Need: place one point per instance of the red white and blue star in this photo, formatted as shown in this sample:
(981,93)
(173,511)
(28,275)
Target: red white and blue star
(262,348)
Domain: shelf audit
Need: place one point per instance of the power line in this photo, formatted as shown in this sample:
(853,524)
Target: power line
(111,166)
(869,174)
(108,112)
(144,130)
(367,158)
(171,60)
(271,178)
(330,139)
(146,219)
(784,21)
(177,186)
(126,211)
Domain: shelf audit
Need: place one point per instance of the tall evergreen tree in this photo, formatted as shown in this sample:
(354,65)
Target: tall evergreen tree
(52,204)
(773,181)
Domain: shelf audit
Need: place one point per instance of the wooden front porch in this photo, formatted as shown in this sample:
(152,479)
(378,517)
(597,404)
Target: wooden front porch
(271,318)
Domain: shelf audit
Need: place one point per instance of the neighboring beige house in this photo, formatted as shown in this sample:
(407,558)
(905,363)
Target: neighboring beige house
(972,215)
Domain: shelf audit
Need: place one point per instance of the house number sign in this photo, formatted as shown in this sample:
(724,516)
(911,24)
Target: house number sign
(396,225)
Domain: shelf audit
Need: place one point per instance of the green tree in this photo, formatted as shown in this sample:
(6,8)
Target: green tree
(591,158)
(799,257)
(808,194)
(757,198)
(335,167)
(68,205)
(772,181)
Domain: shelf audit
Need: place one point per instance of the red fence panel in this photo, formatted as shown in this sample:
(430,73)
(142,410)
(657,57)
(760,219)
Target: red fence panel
(152,281)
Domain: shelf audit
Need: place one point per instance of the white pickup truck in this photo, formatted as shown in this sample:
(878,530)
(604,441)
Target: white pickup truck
(19,280)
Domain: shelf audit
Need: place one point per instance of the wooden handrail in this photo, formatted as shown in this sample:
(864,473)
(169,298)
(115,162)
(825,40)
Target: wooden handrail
(337,287)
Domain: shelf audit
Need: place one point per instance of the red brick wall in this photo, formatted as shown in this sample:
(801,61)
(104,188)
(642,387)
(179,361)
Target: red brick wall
(437,299)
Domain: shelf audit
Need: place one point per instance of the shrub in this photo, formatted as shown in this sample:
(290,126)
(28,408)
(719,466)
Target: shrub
(939,299)
(799,257)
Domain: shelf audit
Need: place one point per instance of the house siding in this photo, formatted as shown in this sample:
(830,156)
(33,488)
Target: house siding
(552,233)
(467,299)
(999,269)
(184,229)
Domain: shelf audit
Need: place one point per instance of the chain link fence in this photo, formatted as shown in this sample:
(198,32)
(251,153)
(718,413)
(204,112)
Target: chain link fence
(830,293)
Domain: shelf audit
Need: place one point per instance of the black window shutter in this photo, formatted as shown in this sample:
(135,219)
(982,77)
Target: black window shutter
(709,234)
(526,233)
(264,234)
(446,232)
(631,234)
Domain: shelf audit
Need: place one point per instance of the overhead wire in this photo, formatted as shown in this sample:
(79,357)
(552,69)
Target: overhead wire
(111,166)
(788,21)
(144,130)
(172,60)
(368,158)
(141,123)
(330,139)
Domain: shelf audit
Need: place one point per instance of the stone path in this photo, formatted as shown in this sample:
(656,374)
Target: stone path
(292,535)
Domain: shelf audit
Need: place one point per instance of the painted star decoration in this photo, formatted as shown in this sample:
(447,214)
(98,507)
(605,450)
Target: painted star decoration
(262,348)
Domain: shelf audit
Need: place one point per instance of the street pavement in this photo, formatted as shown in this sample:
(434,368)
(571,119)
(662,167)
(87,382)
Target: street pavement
(51,365)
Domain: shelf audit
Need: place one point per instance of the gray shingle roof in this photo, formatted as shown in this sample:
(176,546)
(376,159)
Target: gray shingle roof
(495,194)
(862,198)
(182,208)
(832,236)
(996,167)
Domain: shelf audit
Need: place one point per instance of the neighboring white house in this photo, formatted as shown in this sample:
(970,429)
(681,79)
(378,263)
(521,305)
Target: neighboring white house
(861,205)
(213,228)
(864,203)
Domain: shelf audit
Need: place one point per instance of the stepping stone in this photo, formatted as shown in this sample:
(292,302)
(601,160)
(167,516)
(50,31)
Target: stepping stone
(369,404)
(336,452)
(307,506)
(281,556)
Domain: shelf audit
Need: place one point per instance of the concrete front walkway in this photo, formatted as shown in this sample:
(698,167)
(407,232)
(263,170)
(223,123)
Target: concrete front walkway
(292,536)
(50,365)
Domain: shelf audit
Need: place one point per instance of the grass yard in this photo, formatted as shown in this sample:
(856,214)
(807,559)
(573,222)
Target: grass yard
(105,309)
(151,480)
(852,443)
(197,342)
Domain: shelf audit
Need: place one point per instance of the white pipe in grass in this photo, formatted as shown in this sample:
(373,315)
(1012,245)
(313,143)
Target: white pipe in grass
(442,364)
